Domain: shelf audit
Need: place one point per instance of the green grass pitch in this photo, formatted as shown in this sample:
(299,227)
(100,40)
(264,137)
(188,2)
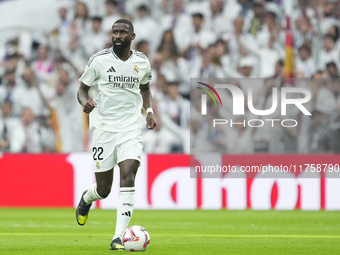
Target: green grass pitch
(55,231)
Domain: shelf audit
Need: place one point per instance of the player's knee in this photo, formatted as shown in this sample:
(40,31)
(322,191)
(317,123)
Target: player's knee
(128,180)
(103,190)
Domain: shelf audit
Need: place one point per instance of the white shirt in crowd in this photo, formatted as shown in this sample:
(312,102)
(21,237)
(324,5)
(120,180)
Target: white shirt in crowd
(15,133)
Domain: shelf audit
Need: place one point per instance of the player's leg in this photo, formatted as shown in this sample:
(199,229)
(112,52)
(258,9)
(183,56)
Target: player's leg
(103,158)
(128,155)
(99,190)
(128,171)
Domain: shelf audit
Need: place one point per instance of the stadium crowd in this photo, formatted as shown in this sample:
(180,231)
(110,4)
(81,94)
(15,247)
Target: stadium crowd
(233,39)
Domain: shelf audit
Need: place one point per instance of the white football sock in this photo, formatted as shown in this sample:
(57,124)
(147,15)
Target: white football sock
(124,210)
(91,195)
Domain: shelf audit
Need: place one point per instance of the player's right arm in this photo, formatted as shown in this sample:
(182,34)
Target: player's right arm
(87,79)
(84,99)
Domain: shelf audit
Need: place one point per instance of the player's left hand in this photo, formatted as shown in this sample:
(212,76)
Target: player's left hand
(150,121)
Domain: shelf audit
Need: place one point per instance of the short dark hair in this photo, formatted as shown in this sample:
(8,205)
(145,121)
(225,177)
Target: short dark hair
(317,72)
(111,2)
(96,18)
(257,4)
(316,112)
(280,62)
(8,101)
(330,37)
(198,15)
(14,55)
(331,64)
(10,71)
(140,44)
(306,47)
(172,83)
(143,7)
(124,21)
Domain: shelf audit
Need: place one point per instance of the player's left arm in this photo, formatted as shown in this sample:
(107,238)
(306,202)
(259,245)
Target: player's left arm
(147,103)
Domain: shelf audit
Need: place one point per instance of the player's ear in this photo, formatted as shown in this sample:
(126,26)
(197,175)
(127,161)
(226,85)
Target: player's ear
(133,36)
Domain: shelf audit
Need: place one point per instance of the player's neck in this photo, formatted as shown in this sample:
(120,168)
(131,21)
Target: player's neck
(124,55)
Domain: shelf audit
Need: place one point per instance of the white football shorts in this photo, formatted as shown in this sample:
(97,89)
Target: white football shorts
(109,149)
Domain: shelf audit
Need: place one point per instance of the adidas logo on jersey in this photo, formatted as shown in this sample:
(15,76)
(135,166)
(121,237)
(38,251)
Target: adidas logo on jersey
(128,213)
(111,70)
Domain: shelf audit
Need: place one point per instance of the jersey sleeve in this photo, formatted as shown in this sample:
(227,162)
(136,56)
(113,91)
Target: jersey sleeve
(89,75)
(148,76)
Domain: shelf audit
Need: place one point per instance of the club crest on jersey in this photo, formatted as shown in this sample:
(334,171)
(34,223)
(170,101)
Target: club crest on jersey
(136,69)
(98,165)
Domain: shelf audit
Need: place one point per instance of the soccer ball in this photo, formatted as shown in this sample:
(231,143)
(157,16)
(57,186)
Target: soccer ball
(136,238)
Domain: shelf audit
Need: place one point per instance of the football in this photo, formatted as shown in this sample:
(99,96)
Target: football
(136,238)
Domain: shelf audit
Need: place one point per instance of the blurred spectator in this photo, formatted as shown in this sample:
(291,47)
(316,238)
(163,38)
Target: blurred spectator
(111,15)
(245,67)
(12,135)
(15,61)
(216,67)
(271,26)
(216,137)
(236,49)
(305,11)
(328,53)
(8,86)
(304,62)
(96,38)
(64,27)
(43,66)
(146,28)
(158,84)
(69,119)
(48,135)
(156,65)
(334,31)
(240,138)
(33,141)
(318,134)
(143,46)
(332,70)
(202,65)
(174,116)
(95,8)
(282,139)
(76,55)
(328,19)
(327,99)
(64,31)
(220,23)
(304,32)
(179,21)
(267,56)
(232,9)
(81,19)
(27,96)
(200,37)
(174,67)
(279,73)
(152,140)
(256,20)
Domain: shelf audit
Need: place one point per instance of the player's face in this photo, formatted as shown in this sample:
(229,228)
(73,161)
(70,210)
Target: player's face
(122,36)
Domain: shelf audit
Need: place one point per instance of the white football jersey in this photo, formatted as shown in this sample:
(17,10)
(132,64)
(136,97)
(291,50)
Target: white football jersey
(116,85)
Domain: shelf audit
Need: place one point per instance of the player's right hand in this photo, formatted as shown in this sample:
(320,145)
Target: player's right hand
(89,106)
